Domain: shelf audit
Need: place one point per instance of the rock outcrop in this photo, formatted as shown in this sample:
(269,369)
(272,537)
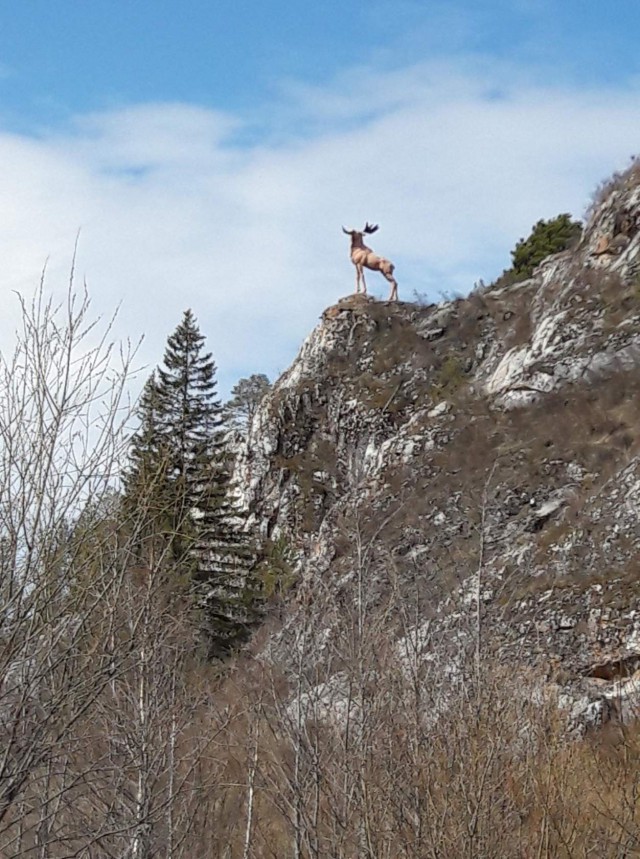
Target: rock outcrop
(486,451)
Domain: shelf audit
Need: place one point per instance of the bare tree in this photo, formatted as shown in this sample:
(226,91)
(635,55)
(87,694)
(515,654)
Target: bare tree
(63,414)
(106,717)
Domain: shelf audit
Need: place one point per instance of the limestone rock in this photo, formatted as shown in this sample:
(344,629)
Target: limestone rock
(495,436)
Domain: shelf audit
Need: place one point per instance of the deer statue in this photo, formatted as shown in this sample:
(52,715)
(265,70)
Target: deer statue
(363,257)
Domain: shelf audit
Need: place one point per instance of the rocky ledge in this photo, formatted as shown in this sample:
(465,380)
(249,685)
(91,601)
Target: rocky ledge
(485,452)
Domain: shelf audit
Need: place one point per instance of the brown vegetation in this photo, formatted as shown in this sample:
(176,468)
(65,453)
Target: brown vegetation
(621,180)
(117,740)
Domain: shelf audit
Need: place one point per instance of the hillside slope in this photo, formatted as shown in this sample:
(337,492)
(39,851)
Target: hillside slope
(479,459)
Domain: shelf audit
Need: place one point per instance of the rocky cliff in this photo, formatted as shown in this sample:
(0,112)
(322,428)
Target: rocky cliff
(479,458)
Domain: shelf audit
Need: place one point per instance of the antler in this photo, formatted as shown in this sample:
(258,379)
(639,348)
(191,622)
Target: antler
(348,232)
(370,228)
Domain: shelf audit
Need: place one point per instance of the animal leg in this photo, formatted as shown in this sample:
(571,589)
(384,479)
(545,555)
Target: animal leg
(364,282)
(393,295)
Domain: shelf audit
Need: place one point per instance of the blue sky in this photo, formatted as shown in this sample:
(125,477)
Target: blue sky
(64,58)
(210,151)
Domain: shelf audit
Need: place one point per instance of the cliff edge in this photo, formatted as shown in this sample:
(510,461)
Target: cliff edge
(479,459)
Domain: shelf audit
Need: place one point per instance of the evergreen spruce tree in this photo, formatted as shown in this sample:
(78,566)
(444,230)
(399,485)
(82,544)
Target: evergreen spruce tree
(145,451)
(225,580)
(150,501)
(180,446)
(191,415)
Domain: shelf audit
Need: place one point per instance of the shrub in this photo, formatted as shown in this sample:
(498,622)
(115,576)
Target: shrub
(547,237)
(448,378)
(621,180)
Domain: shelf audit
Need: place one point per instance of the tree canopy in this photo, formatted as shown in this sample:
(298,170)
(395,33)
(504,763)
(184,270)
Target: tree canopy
(179,458)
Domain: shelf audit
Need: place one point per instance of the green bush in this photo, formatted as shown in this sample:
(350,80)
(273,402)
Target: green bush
(276,568)
(448,378)
(546,238)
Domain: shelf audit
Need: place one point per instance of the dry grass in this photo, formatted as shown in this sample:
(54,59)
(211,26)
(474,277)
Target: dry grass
(495,777)
(622,180)
(411,765)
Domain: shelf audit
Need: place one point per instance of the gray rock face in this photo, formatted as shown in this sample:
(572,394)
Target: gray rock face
(487,451)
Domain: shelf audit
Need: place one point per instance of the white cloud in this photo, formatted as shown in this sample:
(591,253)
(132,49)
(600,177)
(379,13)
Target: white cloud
(454,162)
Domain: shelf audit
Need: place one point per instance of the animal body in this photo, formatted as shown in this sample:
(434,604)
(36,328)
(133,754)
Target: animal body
(363,257)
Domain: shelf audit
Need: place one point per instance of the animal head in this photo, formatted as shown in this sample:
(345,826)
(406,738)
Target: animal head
(368,228)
